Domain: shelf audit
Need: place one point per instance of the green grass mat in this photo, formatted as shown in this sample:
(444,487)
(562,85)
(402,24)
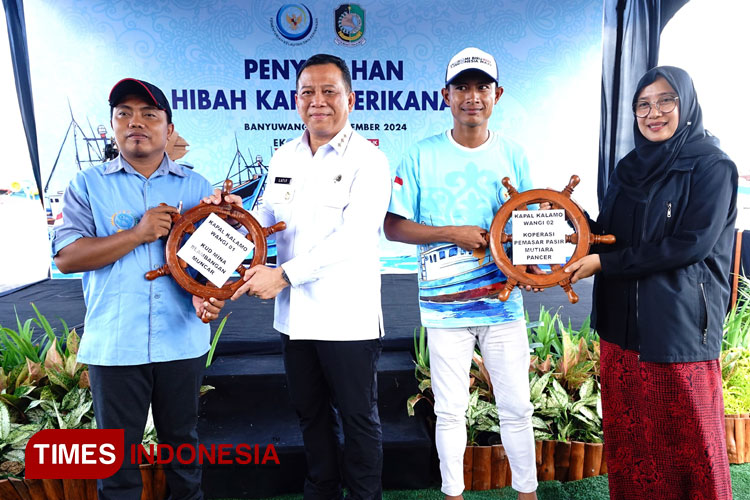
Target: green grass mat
(593,488)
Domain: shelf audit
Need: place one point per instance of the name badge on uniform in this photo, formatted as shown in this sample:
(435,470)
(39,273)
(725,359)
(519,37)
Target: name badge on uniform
(282,180)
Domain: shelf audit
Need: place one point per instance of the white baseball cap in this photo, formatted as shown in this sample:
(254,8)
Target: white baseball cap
(471,58)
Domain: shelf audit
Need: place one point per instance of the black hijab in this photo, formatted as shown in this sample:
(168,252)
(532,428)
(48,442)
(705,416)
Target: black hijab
(649,161)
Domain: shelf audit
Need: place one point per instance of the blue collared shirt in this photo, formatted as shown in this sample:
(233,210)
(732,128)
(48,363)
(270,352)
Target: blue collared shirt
(130,320)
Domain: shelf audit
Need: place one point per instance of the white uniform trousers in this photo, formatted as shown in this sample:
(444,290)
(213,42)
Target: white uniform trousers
(505,350)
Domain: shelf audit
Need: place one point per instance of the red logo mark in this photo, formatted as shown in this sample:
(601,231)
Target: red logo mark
(74,453)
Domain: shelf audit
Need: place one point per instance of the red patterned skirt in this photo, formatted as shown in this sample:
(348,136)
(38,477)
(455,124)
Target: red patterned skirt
(663,428)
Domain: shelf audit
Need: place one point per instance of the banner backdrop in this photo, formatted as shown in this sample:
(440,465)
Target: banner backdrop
(229,67)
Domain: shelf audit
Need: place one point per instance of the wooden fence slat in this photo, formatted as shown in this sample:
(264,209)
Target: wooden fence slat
(538,450)
(562,460)
(74,489)
(556,460)
(91,493)
(21,488)
(739,439)
(148,484)
(482,468)
(53,488)
(577,453)
(7,491)
(468,464)
(160,483)
(592,459)
(547,470)
(499,467)
(36,489)
(731,443)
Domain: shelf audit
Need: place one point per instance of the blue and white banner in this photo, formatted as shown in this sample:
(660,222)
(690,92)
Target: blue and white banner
(229,67)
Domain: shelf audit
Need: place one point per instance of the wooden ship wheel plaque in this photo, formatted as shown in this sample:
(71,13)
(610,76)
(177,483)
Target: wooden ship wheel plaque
(581,238)
(185,224)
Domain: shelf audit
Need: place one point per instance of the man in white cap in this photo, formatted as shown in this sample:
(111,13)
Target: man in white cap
(445,194)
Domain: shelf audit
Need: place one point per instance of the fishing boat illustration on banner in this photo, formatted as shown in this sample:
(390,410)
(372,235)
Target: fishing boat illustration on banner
(451,274)
(249,182)
(89,150)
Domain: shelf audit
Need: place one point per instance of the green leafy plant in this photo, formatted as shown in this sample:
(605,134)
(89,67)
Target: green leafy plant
(16,347)
(44,388)
(735,365)
(209,359)
(481,416)
(215,340)
(579,360)
(562,416)
(149,432)
(421,371)
(543,340)
(13,439)
(736,329)
(479,378)
(564,386)
(61,399)
(42,371)
(735,355)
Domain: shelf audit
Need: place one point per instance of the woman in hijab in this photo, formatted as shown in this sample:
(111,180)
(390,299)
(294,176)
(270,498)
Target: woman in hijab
(660,295)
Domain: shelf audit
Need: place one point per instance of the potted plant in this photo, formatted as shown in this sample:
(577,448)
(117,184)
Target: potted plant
(42,386)
(566,395)
(735,371)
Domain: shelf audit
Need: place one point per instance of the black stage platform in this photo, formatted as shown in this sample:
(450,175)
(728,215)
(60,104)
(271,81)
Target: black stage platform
(249,404)
(249,328)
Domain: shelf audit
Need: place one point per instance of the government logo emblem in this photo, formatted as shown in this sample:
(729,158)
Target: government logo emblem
(350,24)
(294,24)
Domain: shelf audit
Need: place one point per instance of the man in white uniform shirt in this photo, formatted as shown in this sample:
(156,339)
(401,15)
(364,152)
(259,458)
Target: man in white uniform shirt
(332,187)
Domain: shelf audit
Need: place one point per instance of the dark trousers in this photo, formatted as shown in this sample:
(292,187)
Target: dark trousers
(122,395)
(333,387)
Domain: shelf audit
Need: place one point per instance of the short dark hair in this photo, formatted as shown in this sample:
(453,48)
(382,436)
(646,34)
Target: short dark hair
(471,73)
(319,59)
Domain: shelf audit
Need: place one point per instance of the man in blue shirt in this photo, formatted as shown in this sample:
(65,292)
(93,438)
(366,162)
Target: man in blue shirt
(445,194)
(144,341)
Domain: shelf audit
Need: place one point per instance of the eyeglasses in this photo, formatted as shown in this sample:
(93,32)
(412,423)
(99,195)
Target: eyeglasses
(642,109)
